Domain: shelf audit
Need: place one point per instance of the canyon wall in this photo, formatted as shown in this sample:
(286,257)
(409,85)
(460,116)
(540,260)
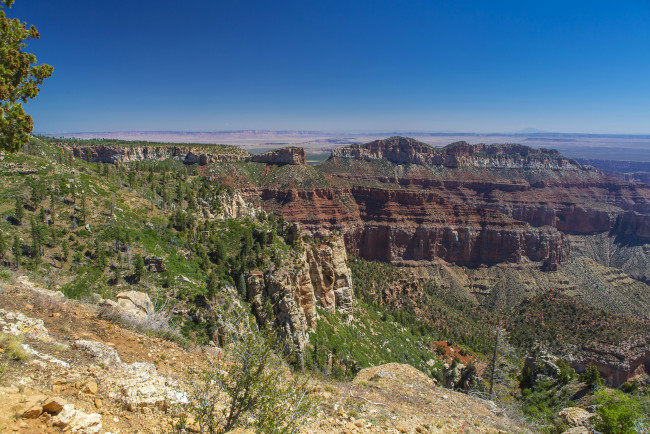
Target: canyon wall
(616,364)
(202,155)
(287,297)
(401,200)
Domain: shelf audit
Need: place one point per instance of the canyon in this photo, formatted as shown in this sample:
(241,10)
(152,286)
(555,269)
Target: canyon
(400,200)
(496,224)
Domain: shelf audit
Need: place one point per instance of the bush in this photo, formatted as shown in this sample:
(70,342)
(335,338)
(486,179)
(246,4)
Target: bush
(253,382)
(591,376)
(619,413)
(566,371)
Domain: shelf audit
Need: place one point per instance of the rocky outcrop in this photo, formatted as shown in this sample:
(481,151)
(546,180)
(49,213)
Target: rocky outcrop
(155,264)
(112,154)
(232,205)
(403,150)
(576,417)
(330,275)
(291,155)
(541,366)
(137,385)
(135,302)
(73,420)
(616,364)
(287,297)
(201,155)
(633,224)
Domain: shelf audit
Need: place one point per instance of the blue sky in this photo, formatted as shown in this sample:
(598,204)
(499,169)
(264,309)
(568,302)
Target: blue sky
(482,66)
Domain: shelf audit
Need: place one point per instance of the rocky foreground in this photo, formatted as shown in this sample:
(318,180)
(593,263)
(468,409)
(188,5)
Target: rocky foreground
(84,374)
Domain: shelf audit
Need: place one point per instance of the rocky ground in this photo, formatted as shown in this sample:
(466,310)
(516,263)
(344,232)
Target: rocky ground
(85,374)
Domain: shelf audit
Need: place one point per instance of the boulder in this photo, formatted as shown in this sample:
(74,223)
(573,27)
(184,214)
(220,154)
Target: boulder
(577,430)
(135,302)
(33,412)
(71,419)
(54,404)
(576,416)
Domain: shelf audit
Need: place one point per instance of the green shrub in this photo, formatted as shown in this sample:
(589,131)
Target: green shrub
(591,376)
(619,413)
(254,381)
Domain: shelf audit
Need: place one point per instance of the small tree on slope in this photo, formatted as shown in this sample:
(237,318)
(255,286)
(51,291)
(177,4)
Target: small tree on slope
(249,386)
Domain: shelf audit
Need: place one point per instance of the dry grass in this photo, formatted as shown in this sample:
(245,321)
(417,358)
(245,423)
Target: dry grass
(13,347)
(156,324)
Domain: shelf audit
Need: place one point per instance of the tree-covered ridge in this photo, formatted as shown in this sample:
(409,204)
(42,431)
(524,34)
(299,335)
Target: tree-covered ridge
(420,305)
(557,321)
(214,148)
(87,228)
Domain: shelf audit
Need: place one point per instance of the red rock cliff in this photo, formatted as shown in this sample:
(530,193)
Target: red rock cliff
(399,199)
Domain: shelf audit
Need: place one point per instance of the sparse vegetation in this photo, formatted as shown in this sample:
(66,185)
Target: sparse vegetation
(249,378)
(13,347)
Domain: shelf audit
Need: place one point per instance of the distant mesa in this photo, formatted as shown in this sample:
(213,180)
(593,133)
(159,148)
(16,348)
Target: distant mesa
(404,150)
(189,154)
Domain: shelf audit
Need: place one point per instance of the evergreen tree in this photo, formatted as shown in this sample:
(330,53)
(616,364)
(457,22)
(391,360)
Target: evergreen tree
(3,246)
(211,286)
(17,251)
(19,80)
(65,251)
(83,207)
(138,267)
(19,212)
(100,254)
(52,205)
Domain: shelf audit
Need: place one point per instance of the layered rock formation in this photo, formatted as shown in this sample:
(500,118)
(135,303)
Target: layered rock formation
(616,364)
(292,155)
(401,200)
(287,297)
(403,150)
(202,155)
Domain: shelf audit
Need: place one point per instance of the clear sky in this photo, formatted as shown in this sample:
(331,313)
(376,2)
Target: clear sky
(402,65)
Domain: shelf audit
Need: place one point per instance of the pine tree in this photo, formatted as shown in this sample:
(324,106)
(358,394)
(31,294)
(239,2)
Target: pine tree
(19,209)
(211,286)
(17,251)
(3,246)
(138,267)
(65,251)
(19,80)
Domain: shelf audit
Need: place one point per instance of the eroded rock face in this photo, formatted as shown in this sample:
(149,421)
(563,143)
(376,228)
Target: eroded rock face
(137,385)
(404,150)
(291,155)
(287,297)
(233,205)
(112,154)
(330,275)
(401,200)
(201,155)
(616,365)
(136,303)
